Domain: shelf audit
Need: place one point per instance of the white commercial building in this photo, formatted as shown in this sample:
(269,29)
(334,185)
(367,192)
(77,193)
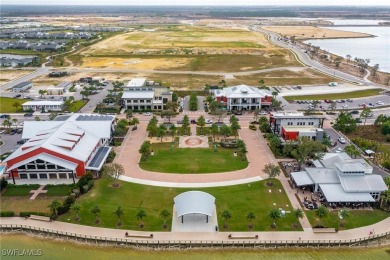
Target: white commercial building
(242,97)
(43,105)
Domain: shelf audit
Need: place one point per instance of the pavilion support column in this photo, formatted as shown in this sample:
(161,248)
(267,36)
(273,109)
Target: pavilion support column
(316,187)
(207,218)
(182,219)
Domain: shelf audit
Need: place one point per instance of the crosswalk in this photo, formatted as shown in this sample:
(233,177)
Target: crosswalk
(194,113)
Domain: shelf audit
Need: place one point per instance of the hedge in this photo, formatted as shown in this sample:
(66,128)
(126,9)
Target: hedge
(7,213)
(29,213)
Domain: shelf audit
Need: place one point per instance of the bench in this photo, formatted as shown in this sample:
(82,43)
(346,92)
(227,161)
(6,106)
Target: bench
(139,235)
(324,230)
(242,237)
(42,218)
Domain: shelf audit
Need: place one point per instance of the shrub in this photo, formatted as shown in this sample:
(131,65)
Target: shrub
(385,128)
(7,214)
(83,182)
(252,127)
(3,183)
(111,157)
(90,184)
(28,213)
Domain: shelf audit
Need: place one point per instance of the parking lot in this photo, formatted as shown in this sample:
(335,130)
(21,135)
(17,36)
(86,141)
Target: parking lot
(10,142)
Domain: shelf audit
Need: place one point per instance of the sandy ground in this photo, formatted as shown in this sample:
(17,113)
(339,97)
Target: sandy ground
(310,32)
(7,75)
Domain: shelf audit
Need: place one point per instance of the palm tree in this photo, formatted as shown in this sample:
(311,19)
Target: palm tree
(165,214)
(250,217)
(54,206)
(173,130)
(76,209)
(7,123)
(129,114)
(351,150)
(274,215)
(16,104)
(37,118)
(298,213)
(226,214)
(140,215)
(161,132)
(272,170)
(214,130)
(95,210)
(201,123)
(135,121)
(15,122)
(119,213)
(42,92)
(321,212)
(256,116)
(343,215)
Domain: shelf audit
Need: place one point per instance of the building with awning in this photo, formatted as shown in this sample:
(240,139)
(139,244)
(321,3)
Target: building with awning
(339,178)
(64,148)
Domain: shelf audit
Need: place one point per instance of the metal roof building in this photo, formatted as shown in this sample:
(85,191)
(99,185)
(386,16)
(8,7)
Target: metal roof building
(194,202)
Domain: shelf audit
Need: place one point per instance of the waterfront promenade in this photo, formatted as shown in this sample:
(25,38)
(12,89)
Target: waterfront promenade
(174,237)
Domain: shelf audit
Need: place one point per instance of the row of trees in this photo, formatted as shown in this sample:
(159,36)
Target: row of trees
(193,102)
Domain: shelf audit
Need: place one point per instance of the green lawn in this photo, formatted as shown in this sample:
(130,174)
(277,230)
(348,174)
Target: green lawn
(239,199)
(58,190)
(192,160)
(353,94)
(19,190)
(358,218)
(76,106)
(6,105)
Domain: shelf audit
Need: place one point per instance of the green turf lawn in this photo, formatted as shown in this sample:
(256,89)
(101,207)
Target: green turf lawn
(358,218)
(353,94)
(192,160)
(6,105)
(239,199)
(19,190)
(57,190)
(76,106)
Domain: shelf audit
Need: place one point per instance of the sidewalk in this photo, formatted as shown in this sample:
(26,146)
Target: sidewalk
(357,233)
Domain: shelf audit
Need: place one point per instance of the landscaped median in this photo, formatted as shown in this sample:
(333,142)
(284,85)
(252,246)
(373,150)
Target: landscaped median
(332,96)
(256,197)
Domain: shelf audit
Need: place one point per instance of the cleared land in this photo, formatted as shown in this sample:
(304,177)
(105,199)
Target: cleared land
(353,94)
(311,32)
(7,104)
(8,75)
(186,48)
(191,160)
(238,199)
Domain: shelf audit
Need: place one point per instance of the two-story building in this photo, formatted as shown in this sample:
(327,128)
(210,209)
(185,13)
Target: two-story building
(43,105)
(140,94)
(61,150)
(242,97)
(290,126)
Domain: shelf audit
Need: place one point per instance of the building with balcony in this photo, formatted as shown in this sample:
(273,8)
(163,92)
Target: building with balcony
(242,97)
(43,105)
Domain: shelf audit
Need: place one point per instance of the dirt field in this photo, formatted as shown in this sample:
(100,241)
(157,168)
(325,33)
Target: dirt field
(7,75)
(183,47)
(311,32)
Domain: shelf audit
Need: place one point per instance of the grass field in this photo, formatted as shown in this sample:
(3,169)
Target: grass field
(193,48)
(358,218)
(19,191)
(76,106)
(191,160)
(6,104)
(8,75)
(239,199)
(353,94)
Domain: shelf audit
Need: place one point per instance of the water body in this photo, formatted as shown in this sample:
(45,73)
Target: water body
(354,21)
(376,49)
(12,56)
(50,249)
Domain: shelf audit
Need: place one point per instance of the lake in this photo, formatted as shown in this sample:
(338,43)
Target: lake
(51,249)
(376,49)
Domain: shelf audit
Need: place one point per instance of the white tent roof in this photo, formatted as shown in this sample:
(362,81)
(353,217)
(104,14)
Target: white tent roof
(197,202)
(367,183)
(335,193)
(302,178)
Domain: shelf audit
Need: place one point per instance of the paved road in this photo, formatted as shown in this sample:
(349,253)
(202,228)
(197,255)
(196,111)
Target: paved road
(28,77)
(94,100)
(304,58)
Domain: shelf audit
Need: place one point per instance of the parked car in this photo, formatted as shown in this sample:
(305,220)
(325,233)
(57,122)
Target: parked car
(338,150)
(2,131)
(28,114)
(341,140)
(193,121)
(13,132)
(263,113)
(134,128)
(209,121)
(147,114)
(380,103)
(354,112)
(180,122)
(21,141)
(4,116)
(238,113)
(345,106)
(358,120)
(349,100)
(17,96)
(19,131)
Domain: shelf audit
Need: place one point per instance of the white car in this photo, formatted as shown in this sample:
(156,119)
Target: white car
(380,103)
(338,150)
(147,114)
(341,140)
(345,106)
(263,113)
(209,121)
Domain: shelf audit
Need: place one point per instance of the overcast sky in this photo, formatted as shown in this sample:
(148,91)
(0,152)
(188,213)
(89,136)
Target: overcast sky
(197,2)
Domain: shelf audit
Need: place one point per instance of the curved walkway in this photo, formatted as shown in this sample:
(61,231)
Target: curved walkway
(129,157)
(297,236)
